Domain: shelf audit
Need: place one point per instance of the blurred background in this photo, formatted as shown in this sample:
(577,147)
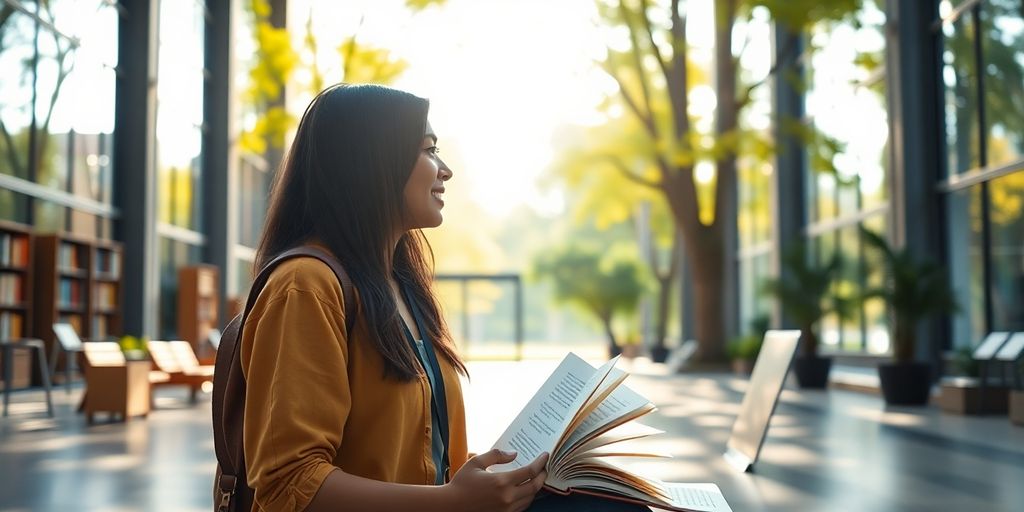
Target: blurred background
(629,174)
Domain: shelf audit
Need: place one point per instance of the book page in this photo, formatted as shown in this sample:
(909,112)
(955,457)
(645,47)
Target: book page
(621,405)
(628,431)
(698,497)
(541,423)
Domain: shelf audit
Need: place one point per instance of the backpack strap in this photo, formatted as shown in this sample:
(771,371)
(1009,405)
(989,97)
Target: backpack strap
(229,381)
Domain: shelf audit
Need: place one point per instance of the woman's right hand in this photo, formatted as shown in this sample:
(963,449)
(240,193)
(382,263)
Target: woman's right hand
(474,488)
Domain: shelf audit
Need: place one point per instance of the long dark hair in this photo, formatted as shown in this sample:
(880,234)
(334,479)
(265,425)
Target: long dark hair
(341,184)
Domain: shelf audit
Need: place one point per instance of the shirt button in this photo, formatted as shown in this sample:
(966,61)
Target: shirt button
(426,430)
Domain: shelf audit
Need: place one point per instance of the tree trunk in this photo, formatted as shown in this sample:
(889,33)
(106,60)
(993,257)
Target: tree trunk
(613,345)
(665,281)
(707,270)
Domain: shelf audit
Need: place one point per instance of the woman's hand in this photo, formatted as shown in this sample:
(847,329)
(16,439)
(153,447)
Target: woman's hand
(474,488)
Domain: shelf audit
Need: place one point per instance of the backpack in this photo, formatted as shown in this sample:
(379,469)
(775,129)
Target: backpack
(231,492)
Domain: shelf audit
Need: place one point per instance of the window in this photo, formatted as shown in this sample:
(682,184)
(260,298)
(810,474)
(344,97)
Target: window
(847,174)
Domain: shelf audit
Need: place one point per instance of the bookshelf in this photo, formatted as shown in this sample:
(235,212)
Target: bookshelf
(16,244)
(77,281)
(105,301)
(198,304)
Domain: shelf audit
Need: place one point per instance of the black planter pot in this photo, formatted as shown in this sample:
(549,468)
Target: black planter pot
(659,354)
(812,372)
(906,383)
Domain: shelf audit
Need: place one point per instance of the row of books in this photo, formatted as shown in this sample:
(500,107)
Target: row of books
(12,325)
(69,257)
(108,263)
(12,289)
(74,320)
(100,328)
(105,295)
(70,294)
(13,250)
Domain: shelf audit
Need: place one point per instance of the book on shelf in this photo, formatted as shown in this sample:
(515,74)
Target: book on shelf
(584,417)
(11,325)
(12,289)
(105,296)
(13,250)
(99,327)
(108,263)
(69,257)
(74,320)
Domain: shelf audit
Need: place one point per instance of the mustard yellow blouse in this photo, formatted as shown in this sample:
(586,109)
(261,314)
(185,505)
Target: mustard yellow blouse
(316,399)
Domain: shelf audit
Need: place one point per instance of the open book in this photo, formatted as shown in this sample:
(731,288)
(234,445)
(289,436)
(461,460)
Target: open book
(583,416)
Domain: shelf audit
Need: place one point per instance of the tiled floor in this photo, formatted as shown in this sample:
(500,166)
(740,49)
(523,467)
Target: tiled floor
(826,451)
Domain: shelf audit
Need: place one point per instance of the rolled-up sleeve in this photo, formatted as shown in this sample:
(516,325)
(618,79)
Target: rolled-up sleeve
(297,396)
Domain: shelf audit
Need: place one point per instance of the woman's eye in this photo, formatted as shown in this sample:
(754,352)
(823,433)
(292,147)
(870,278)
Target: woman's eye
(433,150)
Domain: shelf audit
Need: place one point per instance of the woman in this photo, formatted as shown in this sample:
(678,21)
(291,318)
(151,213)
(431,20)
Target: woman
(371,419)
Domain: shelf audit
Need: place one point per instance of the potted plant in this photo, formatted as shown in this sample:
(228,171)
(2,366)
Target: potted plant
(805,292)
(913,290)
(133,348)
(742,351)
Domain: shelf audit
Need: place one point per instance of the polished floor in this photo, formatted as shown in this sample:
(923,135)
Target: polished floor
(827,451)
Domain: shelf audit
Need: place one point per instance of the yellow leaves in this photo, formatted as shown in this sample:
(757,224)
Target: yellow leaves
(366,64)
(269,132)
(419,5)
(1007,197)
(261,8)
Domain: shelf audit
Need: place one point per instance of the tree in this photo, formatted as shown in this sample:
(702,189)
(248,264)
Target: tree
(655,70)
(595,168)
(36,165)
(275,65)
(602,283)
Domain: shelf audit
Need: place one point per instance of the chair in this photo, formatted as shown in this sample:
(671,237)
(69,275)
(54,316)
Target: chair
(113,384)
(70,344)
(179,362)
(8,347)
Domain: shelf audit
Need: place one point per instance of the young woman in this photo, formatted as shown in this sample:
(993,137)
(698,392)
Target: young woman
(338,420)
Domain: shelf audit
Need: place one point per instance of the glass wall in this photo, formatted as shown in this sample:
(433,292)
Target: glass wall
(983,76)
(57,85)
(846,186)
(179,146)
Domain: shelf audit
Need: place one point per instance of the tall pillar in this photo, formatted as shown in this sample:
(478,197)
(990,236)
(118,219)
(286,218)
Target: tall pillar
(134,158)
(220,173)
(788,204)
(914,67)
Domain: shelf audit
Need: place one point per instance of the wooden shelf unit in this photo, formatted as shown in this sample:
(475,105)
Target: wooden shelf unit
(198,305)
(16,265)
(77,281)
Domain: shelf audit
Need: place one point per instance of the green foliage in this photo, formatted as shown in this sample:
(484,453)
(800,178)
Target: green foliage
(801,14)
(133,345)
(964,362)
(806,292)
(745,347)
(748,346)
(603,283)
(913,290)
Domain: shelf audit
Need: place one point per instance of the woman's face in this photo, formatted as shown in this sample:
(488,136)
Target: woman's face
(424,190)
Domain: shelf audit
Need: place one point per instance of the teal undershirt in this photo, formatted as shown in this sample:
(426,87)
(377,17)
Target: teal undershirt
(437,444)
